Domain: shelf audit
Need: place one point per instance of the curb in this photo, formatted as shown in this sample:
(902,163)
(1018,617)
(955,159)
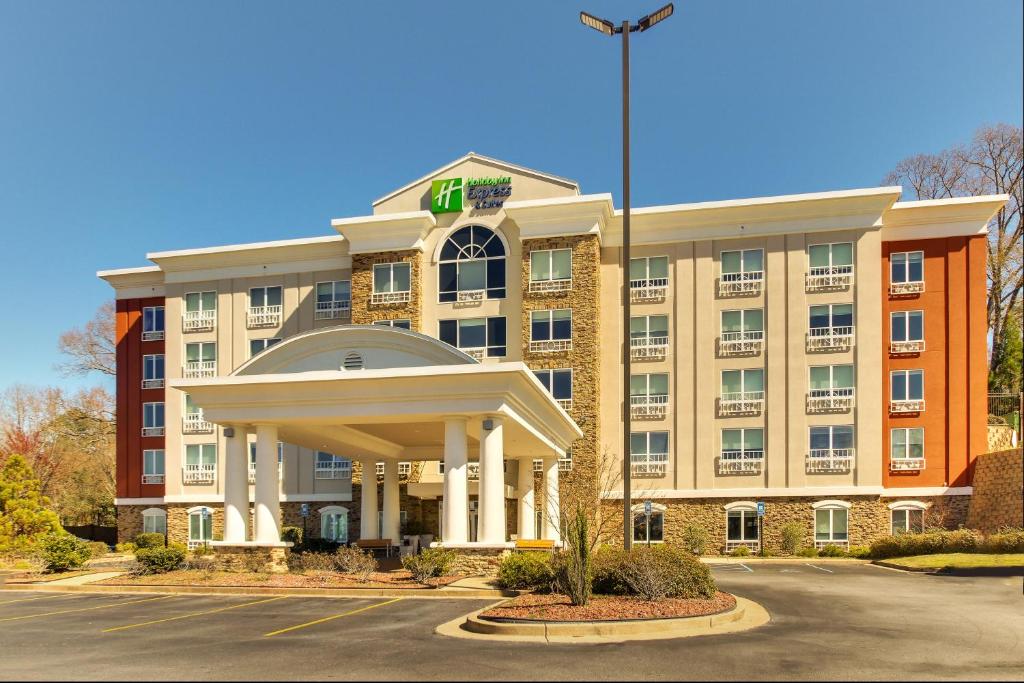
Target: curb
(421,593)
(783,560)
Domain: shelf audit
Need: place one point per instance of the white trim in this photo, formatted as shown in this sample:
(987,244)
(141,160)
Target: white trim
(794,492)
(909,505)
(332,509)
(831,504)
(219,499)
(138,501)
(639,507)
(154,512)
(250,246)
(436,257)
(740,505)
(199,508)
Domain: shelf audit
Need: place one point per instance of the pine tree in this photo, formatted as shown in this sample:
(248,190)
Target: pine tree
(25,514)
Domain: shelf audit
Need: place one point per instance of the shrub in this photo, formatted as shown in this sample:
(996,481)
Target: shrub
(292,534)
(199,563)
(316,545)
(355,561)
(150,540)
(608,567)
(61,552)
(159,560)
(1005,540)
(127,547)
(928,543)
(658,572)
(807,552)
(97,549)
(859,551)
(695,538)
(572,568)
(255,563)
(201,550)
(430,563)
(792,537)
(523,571)
(831,550)
(740,551)
(315,562)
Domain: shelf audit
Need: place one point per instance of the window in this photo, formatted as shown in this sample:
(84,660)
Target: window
(486,335)
(194,422)
(391,282)
(200,301)
(152,323)
(907,385)
(830,525)
(831,380)
(743,444)
(401,323)
(830,438)
(200,526)
(906,326)
(648,452)
(746,324)
(551,330)
(648,271)
(741,527)
(648,528)
(906,266)
(740,384)
(333,299)
(906,520)
(334,524)
(200,359)
(257,345)
(648,394)
(550,270)
(153,419)
(153,371)
(906,443)
(154,521)
(153,466)
(252,457)
(742,265)
(472,265)
(260,297)
(200,463)
(837,257)
(329,466)
(831,316)
(559,385)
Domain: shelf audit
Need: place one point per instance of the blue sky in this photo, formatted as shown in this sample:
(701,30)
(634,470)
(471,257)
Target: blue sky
(135,127)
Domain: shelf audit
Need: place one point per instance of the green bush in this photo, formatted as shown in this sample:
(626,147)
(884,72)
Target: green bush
(61,552)
(810,551)
(312,561)
(292,534)
(524,571)
(1004,541)
(608,566)
(832,550)
(430,563)
(661,571)
(695,538)
(127,547)
(202,550)
(740,551)
(355,561)
(150,540)
(97,549)
(792,537)
(929,543)
(159,560)
(859,551)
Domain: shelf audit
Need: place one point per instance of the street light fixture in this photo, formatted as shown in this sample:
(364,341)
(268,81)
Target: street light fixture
(609,29)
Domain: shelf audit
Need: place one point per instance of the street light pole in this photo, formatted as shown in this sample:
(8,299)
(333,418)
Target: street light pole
(606,27)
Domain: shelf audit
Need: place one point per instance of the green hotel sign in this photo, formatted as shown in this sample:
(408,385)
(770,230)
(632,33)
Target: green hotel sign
(452,194)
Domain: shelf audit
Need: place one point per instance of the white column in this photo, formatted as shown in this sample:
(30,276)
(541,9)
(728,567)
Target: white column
(527,511)
(236,487)
(491,527)
(268,486)
(552,507)
(368,506)
(456,501)
(392,522)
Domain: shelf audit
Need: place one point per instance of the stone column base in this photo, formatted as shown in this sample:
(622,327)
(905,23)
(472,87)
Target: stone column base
(251,557)
(477,559)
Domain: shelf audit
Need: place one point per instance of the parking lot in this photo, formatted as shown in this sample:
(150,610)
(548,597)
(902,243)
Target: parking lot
(829,621)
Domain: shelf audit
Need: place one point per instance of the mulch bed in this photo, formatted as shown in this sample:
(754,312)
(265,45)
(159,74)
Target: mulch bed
(187,577)
(554,607)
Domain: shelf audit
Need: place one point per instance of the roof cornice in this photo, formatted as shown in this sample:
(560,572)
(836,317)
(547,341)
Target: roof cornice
(387,232)
(586,214)
(955,216)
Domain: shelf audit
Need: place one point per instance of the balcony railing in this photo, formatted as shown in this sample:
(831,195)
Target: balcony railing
(830,460)
(649,465)
(152,478)
(478,352)
(648,289)
(333,470)
(565,403)
(754,546)
(740,462)
(200,368)
(906,406)
(263,316)
(550,286)
(198,474)
(153,383)
(252,473)
(904,288)
(153,431)
(195,423)
(906,464)
(648,406)
(825,400)
(741,403)
(749,341)
(466,296)
(550,345)
(829,277)
(737,284)
(641,348)
(390,297)
(909,346)
(198,321)
(821,544)
(152,335)
(829,338)
(330,310)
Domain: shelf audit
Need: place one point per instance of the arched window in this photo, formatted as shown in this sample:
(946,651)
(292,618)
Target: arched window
(200,526)
(472,265)
(649,529)
(831,522)
(907,517)
(154,521)
(334,523)
(741,525)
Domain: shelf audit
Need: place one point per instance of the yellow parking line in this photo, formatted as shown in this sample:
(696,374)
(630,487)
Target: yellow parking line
(330,618)
(84,609)
(193,614)
(42,597)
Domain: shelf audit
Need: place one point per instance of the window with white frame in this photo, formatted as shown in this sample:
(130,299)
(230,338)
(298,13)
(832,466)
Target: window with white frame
(831,524)
(471,266)
(551,330)
(200,526)
(330,466)
(152,323)
(333,299)
(906,519)
(200,311)
(648,271)
(153,466)
(745,265)
(558,383)
(648,393)
(258,345)
(906,330)
(391,282)
(648,452)
(194,422)
(153,419)
(252,458)
(483,335)
(742,385)
(906,386)
(646,331)
(835,258)
(743,444)
(201,457)
(906,267)
(403,518)
(400,323)
(830,319)
(154,521)
(828,381)
(741,526)
(153,371)
(550,270)
(828,439)
(649,528)
(743,325)
(263,297)
(200,359)
(906,443)
(334,524)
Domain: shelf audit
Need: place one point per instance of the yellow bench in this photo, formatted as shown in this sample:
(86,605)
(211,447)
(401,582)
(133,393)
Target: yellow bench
(531,544)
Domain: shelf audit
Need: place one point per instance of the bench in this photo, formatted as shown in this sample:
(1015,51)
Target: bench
(372,544)
(535,544)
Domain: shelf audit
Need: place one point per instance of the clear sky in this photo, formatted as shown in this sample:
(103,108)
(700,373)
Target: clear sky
(129,127)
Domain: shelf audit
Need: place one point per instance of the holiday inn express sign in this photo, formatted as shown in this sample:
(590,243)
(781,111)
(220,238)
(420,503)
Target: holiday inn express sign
(451,194)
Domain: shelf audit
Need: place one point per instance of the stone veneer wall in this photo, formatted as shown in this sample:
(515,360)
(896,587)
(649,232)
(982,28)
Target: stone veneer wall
(365,313)
(998,498)
(129,521)
(478,561)
(584,357)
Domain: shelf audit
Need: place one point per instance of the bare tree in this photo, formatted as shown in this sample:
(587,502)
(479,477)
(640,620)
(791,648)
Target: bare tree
(91,348)
(991,164)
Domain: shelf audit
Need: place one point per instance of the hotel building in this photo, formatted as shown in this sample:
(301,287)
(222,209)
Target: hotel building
(823,354)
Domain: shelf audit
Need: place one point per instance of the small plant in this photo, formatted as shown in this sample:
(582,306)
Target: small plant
(199,563)
(695,538)
(832,550)
(572,568)
(149,540)
(127,548)
(316,562)
(254,563)
(355,561)
(61,552)
(608,567)
(430,563)
(201,550)
(524,571)
(807,552)
(859,551)
(292,534)
(792,537)
(159,560)
(740,551)
(97,549)
(1006,540)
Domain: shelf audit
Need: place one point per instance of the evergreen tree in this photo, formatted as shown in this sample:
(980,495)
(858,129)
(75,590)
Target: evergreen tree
(25,514)
(1006,358)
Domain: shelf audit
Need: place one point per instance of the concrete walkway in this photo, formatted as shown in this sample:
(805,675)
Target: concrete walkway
(473,583)
(82,579)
